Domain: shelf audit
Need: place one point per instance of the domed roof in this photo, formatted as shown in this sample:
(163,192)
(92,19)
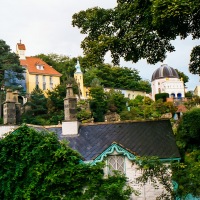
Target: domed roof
(164,71)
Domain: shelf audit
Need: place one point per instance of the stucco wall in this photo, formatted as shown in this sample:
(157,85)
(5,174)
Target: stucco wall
(6,129)
(147,191)
(168,85)
(31,82)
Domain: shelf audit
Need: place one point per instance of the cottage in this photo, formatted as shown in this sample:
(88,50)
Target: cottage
(118,143)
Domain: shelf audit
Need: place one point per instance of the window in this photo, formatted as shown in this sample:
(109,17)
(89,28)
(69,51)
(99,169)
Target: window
(115,162)
(44,86)
(37,80)
(44,82)
(40,67)
(51,82)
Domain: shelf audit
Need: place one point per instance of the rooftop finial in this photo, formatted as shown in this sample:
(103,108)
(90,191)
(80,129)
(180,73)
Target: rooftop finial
(20,41)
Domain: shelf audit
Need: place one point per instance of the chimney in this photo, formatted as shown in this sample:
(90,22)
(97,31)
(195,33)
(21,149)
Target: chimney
(10,107)
(70,125)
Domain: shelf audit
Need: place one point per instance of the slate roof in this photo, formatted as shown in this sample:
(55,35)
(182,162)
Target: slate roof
(144,138)
(31,62)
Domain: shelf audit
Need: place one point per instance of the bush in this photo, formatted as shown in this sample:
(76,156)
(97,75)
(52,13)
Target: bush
(162,96)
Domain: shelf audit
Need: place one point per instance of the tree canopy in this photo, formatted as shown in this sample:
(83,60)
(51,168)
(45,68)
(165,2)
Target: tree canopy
(138,29)
(188,141)
(9,65)
(182,76)
(63,64)
(36,165)
(36,108)
(110,76)
(116,77)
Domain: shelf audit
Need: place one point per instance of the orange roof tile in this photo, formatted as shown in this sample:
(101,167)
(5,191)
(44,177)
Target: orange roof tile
(31,64)
(181,108)
(21,46)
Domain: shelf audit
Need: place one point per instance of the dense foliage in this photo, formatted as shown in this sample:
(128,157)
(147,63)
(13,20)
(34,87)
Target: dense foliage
(110,76)
(194,65)
(35,110)
(138,29)
(117,77)
(63,64)
(145,108)
(162,96)
(9,65)
(188,141)
(36,165)
(182,76)
(158,173)
(98,103)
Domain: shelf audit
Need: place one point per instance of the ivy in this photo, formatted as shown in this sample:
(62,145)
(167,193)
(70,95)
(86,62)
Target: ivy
(36,165)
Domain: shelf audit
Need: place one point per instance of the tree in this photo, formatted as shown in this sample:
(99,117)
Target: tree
(116,101)
(182,76)
(37,165)
(188,136)
(188,141)
(36,108)
(10,68)
(158,173)
(145,108)
(55,103)
(162,96)
(194,65)
(98,103)
(137,29)
(83,111)
(116,77)
(63,64)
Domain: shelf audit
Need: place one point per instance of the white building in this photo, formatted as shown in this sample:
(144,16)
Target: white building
(165,79)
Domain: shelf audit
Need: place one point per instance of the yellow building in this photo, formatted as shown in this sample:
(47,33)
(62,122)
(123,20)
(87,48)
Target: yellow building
(78,76)
(38,72)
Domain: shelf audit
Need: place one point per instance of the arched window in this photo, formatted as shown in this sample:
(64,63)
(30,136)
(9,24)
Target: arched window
(172,95)
(179,95)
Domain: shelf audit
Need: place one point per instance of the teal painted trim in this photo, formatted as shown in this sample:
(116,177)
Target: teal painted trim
(110,150)
(170,159)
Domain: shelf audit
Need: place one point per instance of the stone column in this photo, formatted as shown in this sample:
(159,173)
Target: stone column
(70,125)
(70,104)
(9,110)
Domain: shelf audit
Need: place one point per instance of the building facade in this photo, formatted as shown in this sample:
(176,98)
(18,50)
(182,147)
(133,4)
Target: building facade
(38,73)
(165,79)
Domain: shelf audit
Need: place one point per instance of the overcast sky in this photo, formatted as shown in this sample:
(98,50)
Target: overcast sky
(45,27)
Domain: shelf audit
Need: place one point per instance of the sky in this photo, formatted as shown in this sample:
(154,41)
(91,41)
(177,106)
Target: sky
(44,26)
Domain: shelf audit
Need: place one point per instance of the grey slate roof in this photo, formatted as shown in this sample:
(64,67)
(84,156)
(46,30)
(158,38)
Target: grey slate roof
(144,138)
